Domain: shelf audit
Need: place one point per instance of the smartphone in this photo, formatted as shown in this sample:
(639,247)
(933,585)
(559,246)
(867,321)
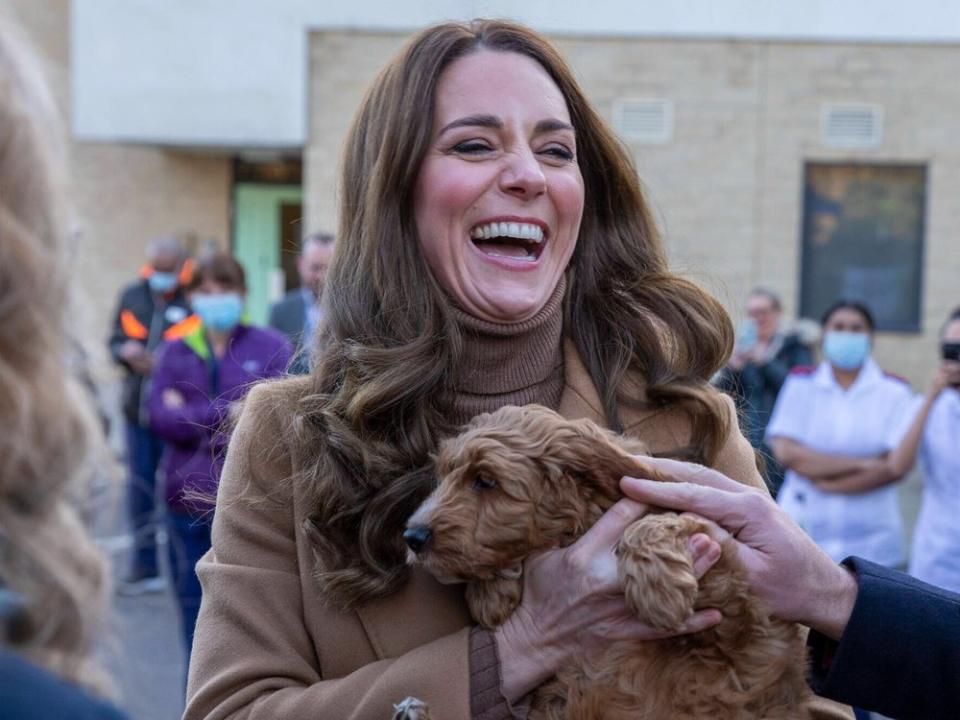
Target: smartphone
(951,351)
(746,335)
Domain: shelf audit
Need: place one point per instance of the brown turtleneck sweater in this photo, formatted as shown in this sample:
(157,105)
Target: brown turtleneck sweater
(505,364)
(510,364)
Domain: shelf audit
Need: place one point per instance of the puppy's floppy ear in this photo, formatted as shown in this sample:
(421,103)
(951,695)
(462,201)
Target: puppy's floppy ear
(584,448)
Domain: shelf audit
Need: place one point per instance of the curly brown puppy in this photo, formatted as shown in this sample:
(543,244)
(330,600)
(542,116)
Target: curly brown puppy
(525,479)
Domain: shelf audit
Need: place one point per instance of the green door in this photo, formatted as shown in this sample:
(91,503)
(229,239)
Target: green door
(266,230)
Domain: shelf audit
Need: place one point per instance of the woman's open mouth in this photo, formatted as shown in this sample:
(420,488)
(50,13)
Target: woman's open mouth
(514,240)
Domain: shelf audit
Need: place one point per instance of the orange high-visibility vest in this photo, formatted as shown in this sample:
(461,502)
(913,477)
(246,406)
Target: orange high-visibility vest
(183,277)
(183,328)
(132,327)
(186,272)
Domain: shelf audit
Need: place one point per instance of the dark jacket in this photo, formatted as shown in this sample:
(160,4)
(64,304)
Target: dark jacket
(140,317)
(755,387)
(900,652)
(28,692)
(289,316)
(196,434)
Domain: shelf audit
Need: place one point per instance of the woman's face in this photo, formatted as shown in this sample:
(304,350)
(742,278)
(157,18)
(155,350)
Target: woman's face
(211,286)
(847,320)
(951,333)
(499,195)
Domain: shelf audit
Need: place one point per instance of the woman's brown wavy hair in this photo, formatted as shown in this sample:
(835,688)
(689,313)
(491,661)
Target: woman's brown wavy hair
(386,356)
(48,563)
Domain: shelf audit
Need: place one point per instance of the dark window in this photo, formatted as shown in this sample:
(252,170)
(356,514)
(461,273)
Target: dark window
(863,240)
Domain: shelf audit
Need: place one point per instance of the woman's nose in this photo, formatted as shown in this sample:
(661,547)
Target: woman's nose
(523,176)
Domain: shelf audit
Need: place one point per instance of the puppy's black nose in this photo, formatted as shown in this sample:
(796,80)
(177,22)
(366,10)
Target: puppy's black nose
(417,538)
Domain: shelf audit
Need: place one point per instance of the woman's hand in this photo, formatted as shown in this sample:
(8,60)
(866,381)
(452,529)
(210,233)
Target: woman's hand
(573,603)
(785,569)
(946,375)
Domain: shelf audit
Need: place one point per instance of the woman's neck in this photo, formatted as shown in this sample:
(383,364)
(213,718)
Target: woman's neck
(509,364)
(218,341)
(845,378)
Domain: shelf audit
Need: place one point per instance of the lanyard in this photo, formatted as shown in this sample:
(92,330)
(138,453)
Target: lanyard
(214,369)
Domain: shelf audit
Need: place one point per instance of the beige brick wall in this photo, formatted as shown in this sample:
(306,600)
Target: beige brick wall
(728,188)
(122,195)
(342,66)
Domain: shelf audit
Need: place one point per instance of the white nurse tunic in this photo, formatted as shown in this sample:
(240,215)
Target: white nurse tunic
(865,420)
(935,555)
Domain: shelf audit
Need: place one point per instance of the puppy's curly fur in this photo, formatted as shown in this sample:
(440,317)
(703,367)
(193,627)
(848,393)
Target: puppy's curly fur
(524,479)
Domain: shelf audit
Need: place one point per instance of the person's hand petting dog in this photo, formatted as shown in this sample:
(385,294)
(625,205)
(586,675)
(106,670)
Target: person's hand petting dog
(573,602)
(785,569)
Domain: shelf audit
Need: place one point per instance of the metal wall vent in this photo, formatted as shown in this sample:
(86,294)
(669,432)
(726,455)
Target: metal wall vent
(851,125)
(648,121)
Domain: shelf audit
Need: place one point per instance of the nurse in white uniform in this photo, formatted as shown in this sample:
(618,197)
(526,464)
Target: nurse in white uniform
(833,428)
(935,555)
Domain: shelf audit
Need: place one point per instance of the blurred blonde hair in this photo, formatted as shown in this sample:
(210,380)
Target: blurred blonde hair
(47,559)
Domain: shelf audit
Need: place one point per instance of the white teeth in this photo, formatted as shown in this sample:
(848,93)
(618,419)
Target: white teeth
(521,231)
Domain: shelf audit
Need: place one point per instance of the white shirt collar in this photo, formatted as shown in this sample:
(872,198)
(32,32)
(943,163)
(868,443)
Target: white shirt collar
(869,374)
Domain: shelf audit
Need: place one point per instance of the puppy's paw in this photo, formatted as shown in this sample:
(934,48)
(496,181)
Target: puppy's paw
(656,571)
(411,709)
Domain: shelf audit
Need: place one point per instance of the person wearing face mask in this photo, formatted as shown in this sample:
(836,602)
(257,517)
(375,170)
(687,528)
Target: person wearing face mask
(196,382)
(935,430)
(764,354)
(834,428)
(150,310)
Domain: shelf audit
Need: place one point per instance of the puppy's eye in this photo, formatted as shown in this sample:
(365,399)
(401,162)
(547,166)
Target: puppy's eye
(483,482)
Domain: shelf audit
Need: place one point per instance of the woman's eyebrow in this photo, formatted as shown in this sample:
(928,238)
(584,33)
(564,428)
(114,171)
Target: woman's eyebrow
(552,125)
(487,121)
(493,122)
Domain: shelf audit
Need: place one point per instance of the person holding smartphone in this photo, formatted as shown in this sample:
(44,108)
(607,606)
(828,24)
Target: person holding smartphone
(935,553)
(764,354)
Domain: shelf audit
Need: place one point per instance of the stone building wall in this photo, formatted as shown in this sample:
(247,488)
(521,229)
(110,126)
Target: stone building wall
(727,189)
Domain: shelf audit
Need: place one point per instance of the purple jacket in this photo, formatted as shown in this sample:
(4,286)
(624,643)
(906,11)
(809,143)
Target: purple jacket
(195,435)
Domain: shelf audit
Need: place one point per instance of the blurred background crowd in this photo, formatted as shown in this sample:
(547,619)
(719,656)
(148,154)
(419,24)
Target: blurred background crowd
(802,160)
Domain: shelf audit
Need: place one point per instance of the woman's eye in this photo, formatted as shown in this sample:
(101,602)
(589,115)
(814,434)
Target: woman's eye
(559,151)
(471,147)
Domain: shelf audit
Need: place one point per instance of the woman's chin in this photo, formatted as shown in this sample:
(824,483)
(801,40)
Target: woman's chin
(510,304)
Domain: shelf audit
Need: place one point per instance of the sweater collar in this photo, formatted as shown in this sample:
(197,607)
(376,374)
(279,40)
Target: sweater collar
(510,363)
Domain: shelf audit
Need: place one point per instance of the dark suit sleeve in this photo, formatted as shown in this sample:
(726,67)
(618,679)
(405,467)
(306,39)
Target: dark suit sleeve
(900,652)
(28,692)
(275,316)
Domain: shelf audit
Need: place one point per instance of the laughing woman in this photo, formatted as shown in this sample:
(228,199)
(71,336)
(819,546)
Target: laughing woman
(498,253)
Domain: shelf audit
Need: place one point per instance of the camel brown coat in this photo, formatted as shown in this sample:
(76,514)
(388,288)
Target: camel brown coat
(267,645)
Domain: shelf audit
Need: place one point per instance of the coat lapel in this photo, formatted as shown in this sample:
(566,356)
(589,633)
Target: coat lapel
(579,398)
(429,610)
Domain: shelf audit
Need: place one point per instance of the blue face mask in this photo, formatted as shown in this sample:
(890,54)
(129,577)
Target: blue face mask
(220,312)
(846,350)
(161,282)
